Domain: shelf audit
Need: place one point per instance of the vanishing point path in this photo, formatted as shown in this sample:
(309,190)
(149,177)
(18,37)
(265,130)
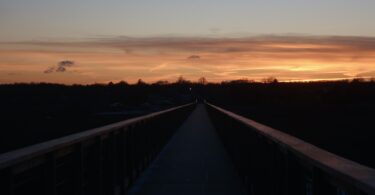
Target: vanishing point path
(193,162)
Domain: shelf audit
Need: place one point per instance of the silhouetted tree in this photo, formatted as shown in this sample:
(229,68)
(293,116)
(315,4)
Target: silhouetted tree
(358,80)
(202,81)
(270,80)
(182,80)
(141,82)
(161,82)
(122,83)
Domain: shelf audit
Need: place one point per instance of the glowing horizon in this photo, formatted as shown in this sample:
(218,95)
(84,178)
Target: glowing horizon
(288,58)
(101,41)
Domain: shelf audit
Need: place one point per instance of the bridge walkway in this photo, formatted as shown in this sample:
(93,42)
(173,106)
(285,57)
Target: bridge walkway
(193,162)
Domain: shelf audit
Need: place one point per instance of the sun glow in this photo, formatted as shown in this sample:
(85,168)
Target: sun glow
(217,59)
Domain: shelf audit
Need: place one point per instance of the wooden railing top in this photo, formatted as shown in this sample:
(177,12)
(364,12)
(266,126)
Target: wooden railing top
(361,176)
(16,156)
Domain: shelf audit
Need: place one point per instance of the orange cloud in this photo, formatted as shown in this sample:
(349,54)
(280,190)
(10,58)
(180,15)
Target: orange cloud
(154,58)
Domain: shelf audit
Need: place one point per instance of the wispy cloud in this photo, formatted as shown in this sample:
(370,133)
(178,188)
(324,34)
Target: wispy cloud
(158,67)
(151,58)
(314,44)
(194,57)
(60,67)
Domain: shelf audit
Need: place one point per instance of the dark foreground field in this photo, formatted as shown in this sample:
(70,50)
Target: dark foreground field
(337,116)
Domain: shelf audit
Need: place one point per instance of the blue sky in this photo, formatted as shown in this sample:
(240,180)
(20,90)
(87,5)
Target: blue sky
(48,19)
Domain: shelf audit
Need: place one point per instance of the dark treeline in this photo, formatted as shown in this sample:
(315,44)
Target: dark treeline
(337,115)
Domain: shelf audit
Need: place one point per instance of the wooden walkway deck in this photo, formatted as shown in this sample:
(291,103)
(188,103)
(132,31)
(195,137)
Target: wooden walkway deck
(193,162)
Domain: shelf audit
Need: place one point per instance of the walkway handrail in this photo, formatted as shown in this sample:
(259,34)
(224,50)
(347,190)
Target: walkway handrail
(126,146)
(361,177)
(13,157)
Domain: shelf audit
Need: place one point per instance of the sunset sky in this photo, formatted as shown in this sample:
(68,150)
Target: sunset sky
(92,41)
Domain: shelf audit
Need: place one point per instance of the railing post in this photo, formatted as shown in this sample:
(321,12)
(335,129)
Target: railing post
(294,183)
(50,174)
(126,159)
(120,161)
(129,155)
(79,176)
(272,170)
(279,170)
(113,159)
(108,164)
(320,184)
(6,182)
(100,165)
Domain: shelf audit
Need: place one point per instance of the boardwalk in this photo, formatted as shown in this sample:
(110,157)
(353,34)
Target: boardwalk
(193,162)
(102,160)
